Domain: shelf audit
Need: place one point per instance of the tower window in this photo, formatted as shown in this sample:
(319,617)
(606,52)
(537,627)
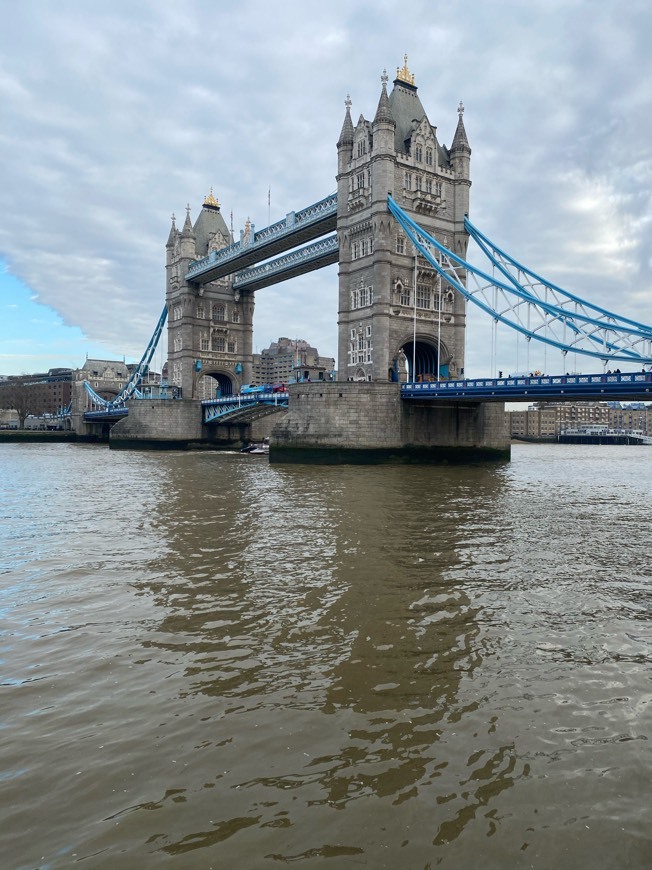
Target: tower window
(418,153)
(400,245)
(423,296)
(360,180)
(428,156)
(408,181)
(219,312)
(200,312)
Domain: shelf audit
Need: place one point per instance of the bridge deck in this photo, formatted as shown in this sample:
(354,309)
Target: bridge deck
(560,388)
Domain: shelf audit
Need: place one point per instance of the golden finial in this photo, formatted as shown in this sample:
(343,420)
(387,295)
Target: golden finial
(404,75)
(211,201)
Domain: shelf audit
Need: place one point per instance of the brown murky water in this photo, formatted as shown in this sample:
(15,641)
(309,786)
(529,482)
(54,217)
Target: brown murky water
(211,662)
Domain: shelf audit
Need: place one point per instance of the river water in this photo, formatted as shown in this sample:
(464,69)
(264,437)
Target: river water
(211,662)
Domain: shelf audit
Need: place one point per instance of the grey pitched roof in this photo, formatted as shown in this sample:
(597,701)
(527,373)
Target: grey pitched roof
(209,222)
(405,107)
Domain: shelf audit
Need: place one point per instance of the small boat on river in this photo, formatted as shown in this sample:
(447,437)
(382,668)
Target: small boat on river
(261,447)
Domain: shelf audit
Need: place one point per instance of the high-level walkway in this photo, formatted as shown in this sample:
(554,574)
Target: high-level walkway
(294,230)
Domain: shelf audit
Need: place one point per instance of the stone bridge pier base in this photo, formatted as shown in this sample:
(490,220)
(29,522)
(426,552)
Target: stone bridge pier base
(367,423)
(176,424)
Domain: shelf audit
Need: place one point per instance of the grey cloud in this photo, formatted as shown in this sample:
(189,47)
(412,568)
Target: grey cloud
(117,115)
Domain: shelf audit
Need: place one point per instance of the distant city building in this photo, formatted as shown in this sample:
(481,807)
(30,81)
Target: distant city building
(39,393)
(546,420)
(289,361)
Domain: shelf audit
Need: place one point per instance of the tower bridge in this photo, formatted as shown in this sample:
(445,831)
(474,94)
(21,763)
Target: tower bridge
(398,226)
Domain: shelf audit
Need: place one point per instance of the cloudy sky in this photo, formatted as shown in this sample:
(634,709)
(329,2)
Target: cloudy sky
(115,115)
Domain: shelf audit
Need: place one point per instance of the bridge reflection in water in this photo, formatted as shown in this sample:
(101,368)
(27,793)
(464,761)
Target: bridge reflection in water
(388,666)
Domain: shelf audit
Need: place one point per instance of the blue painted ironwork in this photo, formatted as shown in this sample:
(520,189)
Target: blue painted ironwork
(296,261)
(525,302)
(106,414)
(293,223)
(637,385)
(230,407)
(139,372)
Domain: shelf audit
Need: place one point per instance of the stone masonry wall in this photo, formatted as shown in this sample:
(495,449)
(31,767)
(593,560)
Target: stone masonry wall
(165,422)
(370,422)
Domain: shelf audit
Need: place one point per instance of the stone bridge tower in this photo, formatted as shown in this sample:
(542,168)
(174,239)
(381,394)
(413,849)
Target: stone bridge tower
(210,327)
(386,295)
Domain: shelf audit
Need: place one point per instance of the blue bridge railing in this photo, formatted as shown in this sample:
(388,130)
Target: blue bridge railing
(528,388)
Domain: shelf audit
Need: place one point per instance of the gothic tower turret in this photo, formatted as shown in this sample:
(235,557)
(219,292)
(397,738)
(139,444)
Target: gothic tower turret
(460,155)
(210,326)
(387,296)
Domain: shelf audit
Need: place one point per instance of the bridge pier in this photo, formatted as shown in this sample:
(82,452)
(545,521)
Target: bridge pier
(176,424)
(91,432)
(164,424)
(368,423)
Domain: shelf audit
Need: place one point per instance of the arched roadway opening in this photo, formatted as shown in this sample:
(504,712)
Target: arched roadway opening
(422,360)
(211,385)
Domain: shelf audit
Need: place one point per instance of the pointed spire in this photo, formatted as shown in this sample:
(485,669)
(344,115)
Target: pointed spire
(173,233)
(346,136)
(384,112)
(187,226)
(460,141)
